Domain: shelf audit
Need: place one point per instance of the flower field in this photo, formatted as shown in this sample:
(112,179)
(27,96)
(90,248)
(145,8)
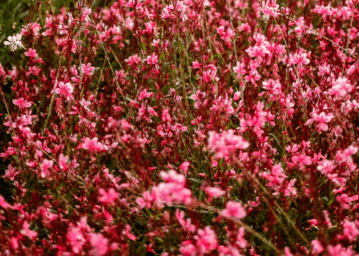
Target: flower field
(193,127)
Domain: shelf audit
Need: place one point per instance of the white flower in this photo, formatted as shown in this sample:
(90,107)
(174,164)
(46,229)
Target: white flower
(14,42)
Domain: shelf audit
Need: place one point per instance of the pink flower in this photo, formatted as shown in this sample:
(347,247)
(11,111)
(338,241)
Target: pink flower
(145,201)
(152,60)
(184,167)
(63,160)
(133,60)
(31,53)
(128,234)
(65,90)
(87,69)
(76,239)
(213,192)
(321,120)
(92,145)
(186,224)
(225,143)
(3,203)
(341,87)
(45,166)
(298,59)
(317,247)
(188,249)
(206,240)
(108,197)
(326,167)
(276,177)
(234,209)
(27,232)
(11,173)
(99,244)
(257,51)
(350,230)
(22,103)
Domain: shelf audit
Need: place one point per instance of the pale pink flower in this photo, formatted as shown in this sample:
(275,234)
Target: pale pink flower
(152,60)
(225,143)
(11,173)
(186,224)
(326,166)
(14,42)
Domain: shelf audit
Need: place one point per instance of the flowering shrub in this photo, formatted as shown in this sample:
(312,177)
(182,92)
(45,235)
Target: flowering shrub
(194,127)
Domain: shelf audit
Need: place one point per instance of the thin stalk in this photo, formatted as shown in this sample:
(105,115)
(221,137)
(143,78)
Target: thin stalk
(246,227)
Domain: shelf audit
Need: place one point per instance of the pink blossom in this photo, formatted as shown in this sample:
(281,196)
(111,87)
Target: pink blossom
(184,167)
(320,120)
(22,103)
(341,87)
(108,197)
(31,53)
(317,247)
(225,143)
(65,90)
(87,69)
(76,239)
(206,240)
(234,209)
(213,192)
(99,244)
(27,232)
(3,203)
(128,234)
(350,230)
(152,60)
(257,51)
(92,145)
(45,166)
(298,59)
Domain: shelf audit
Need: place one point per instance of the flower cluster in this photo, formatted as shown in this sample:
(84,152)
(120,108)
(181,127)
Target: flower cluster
(184,127)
